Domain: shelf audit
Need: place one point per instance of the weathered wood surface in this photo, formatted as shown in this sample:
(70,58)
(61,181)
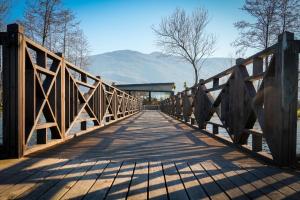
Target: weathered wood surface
(147,156)
(48,100)
(255,100)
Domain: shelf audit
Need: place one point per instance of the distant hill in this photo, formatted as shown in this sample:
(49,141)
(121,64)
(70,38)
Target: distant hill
(126,66)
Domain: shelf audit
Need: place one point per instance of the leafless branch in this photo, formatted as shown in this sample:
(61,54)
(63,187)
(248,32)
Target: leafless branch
(184,35)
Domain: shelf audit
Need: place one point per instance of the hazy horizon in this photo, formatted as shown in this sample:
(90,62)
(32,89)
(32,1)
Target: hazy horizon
(160,52)
(127,67)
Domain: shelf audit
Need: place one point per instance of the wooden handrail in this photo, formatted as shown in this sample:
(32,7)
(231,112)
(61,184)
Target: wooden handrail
(239,104)
(55,104)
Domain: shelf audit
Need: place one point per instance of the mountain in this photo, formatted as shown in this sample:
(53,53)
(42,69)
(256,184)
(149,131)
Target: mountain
(126,66)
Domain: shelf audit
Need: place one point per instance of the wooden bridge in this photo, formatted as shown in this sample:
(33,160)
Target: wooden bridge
(148,155)
(73,136)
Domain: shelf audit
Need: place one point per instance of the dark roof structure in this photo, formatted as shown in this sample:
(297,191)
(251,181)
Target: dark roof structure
(147,87)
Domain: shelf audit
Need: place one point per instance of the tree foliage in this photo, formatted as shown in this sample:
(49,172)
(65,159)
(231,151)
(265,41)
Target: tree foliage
(184,35)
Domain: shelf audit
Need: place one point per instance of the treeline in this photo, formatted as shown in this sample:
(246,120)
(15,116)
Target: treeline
(52,25)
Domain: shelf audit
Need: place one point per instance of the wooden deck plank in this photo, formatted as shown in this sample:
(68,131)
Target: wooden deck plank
(247,188)
(26,174)
(104,182)
(30,183)
(192,186)
(11,167)
(212,189)
(139,183)
(68,181)
(119,188)
(175,188)
(233,191)
(269,180)
(286,177)
(82,186)
(259,184)
(157,185)
(18,189)
(51,180)
(11,177)
(150,137)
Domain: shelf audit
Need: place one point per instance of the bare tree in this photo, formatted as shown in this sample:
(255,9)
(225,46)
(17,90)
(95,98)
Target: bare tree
(40,18)
(260,33)
(184,35)
(68,25)
(83,50)
(73,43)
(56,28)
(47,22)
(288,16)
(271,17)
(79,52)
(4,7)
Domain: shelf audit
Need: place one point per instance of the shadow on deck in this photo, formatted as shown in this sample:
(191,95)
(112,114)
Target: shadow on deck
(147,156)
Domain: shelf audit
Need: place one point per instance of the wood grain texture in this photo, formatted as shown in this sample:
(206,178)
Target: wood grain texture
(259,91)
(47,98)
(139,158)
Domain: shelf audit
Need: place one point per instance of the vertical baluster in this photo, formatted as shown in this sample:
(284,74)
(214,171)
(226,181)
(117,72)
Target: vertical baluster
(83,79)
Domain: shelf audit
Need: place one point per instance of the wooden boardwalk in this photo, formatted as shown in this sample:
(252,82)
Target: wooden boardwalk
(147,156)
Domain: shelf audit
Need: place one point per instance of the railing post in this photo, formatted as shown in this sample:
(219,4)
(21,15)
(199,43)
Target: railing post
(215,129)
(186,106)
(257,66)
(215,82)
(288,66)
(61,103)
(256,142)
(115,104)
(280,106)
(237,103)
(83,125)
(13,92)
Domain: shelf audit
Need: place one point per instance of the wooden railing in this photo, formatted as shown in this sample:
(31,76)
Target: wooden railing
(48,100)
(251,98)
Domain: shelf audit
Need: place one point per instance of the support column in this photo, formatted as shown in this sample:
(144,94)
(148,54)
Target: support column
(13,92)
(288,66)
(149,96)
(280,105)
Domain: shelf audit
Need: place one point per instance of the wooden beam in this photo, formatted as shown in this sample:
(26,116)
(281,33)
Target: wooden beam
(215,129)
(45,125)
(257,143)
(253,132)
(217,87)
(255,77)
(215,82)
(85,84)
(14,91)
(62,102)
(289,88)
(258,64)
(41,136)
(215,124)
(83,125)
(44,70)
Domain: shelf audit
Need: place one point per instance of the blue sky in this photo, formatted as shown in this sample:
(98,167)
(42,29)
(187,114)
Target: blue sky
(126,24)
